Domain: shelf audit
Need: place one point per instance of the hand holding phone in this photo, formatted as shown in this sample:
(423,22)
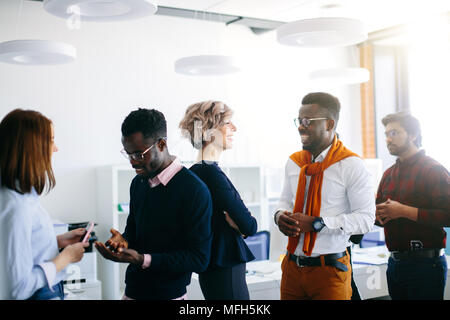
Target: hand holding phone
(89,229)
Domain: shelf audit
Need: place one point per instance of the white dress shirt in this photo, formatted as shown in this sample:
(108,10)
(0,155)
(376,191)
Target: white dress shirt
(347,205)
(27,246)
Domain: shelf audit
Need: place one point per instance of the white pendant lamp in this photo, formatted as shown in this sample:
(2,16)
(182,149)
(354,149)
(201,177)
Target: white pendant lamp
(206,65)
(322,32)
(36,52)
(101,10)
(341,76)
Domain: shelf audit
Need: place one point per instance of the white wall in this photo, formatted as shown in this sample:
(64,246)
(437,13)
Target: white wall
(122,66)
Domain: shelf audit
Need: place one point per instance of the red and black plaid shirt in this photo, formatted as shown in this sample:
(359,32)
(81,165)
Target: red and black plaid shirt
(423,183)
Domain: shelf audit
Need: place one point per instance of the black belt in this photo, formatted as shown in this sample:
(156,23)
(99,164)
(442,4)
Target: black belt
(329,259)
(417,254)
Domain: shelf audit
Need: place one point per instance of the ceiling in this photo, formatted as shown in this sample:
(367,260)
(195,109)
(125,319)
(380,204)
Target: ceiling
(376,14)
(265,15)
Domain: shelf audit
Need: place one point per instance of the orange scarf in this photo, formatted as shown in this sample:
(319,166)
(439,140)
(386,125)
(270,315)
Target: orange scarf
(302,158)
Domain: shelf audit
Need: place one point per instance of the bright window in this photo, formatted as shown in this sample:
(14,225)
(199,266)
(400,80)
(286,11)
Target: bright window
(429,71)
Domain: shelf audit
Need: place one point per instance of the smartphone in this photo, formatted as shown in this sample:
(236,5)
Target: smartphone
(89,229)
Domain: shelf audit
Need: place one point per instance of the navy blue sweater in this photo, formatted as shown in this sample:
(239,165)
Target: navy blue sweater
(228,247)
(172,223)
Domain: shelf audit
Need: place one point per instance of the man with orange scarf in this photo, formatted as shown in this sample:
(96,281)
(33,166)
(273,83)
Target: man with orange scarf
(328,195)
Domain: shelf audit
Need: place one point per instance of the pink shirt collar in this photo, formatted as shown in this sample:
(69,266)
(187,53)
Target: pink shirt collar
(167,174)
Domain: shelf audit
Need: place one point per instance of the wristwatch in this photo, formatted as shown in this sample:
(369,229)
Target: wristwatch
(318,224)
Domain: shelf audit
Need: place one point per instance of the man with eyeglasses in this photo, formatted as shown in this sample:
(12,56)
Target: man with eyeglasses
(168,231)
(413,206)
(327,196)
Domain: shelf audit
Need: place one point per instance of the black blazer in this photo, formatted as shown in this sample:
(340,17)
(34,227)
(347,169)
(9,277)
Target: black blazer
(228,247)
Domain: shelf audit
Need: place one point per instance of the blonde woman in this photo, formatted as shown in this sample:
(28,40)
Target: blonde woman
(210,130)
(31,266)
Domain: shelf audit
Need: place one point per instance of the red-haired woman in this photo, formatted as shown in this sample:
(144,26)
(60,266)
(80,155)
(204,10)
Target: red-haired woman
(31,266)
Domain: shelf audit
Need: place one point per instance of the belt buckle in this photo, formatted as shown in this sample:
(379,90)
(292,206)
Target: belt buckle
(297,261)
(416,245)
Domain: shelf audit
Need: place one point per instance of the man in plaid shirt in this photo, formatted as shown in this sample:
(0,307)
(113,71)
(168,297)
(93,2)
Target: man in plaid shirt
(413,206)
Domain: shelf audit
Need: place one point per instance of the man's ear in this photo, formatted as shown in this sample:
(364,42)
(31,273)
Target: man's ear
(161,144)
(413,138)
(330,124)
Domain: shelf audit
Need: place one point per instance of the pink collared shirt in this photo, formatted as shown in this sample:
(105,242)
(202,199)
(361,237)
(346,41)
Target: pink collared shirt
(167,174)
(163,177)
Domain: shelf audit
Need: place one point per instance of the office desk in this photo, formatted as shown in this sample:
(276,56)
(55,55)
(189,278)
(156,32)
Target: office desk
(263,281)
(369,272)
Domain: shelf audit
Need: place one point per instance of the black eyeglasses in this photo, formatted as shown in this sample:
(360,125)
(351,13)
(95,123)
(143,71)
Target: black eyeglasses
(305,121)
(139,156)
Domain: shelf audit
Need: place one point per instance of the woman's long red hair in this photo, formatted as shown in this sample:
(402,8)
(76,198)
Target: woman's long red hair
(25,151)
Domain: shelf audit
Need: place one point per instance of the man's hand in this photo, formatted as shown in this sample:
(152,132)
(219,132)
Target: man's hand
(70,237)
(288,225)
(122,255)
(391,210)
(116,241)
(292,224)
(304,221)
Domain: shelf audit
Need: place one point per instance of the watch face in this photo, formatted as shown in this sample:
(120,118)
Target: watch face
(317,225)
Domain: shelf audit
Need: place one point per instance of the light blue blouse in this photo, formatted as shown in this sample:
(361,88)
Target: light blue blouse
(27,246)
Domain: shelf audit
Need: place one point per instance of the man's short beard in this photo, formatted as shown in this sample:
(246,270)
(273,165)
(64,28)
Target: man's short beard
(401,149)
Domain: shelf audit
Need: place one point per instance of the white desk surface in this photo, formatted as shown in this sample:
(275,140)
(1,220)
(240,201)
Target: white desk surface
(369,272)
(263,281)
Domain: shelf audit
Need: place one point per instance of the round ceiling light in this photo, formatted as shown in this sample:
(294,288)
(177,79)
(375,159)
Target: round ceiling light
(341,76)
(322,32)
(206,65)
(36,52)
(101,10)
